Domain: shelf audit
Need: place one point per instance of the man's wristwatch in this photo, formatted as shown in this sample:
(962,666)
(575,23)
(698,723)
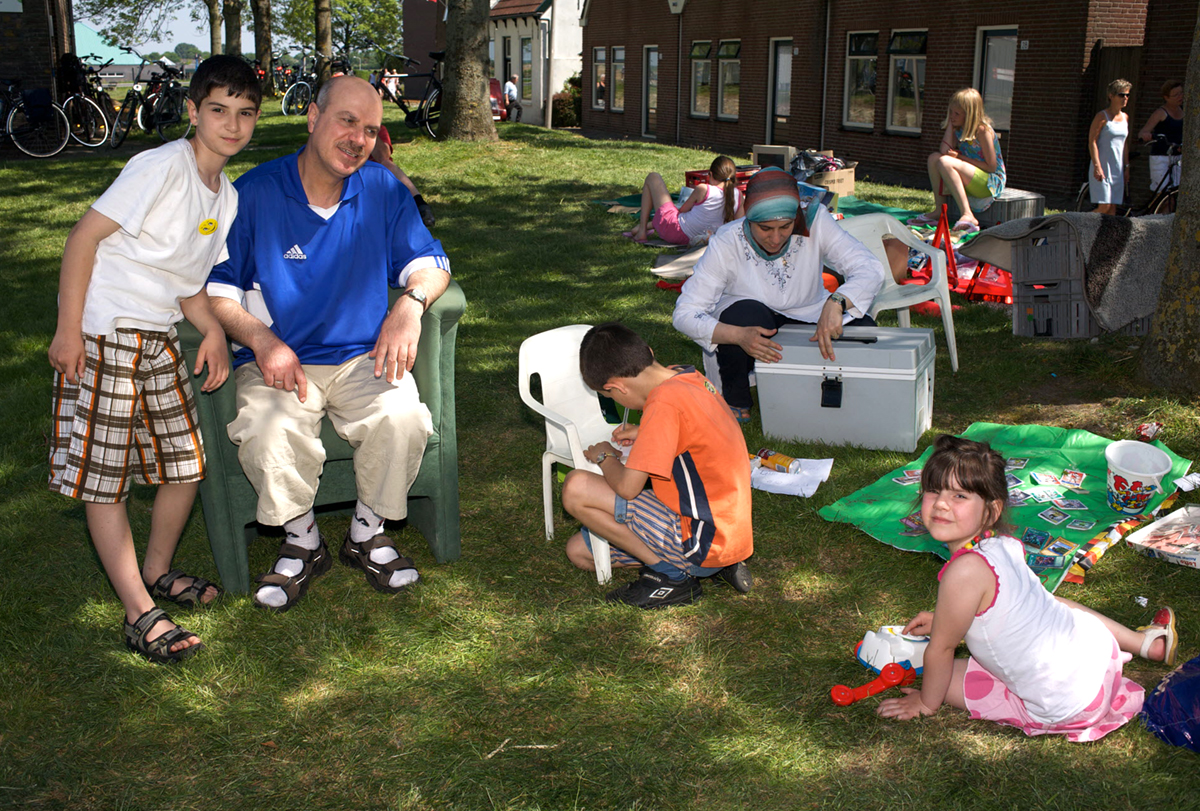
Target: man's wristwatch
(417,296)
(605,455)
(840,299)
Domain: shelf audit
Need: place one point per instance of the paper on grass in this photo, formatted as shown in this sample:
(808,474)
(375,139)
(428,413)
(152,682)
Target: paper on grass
(803,484)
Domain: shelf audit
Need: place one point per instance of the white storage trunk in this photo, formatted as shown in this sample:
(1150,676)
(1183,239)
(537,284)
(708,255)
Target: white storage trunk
(876,395)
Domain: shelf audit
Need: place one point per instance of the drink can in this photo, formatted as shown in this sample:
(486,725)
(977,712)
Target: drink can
(774,460)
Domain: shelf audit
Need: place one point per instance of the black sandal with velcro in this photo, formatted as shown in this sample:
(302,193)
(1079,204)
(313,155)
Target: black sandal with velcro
(158,650)
(190,597)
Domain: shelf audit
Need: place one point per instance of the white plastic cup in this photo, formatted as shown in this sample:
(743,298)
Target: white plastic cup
(1135,473)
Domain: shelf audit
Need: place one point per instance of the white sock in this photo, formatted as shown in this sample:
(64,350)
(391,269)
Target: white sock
(301,532)
(365,525)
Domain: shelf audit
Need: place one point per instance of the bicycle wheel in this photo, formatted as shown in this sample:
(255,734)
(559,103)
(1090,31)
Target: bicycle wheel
(430,113)
(1167,204)
(124,120)
(170,115)
(1083,202)
(40,135)
(88,124)
(145,113)
(297,99)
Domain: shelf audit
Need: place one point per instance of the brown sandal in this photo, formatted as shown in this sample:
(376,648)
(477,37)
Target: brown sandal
(379,575)
(316,563)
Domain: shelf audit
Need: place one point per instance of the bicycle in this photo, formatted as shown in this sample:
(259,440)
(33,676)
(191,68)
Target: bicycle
(305,86)
(299,93)
(429,109)
(1161,202)
(161,109)
(85,113)
(35,124)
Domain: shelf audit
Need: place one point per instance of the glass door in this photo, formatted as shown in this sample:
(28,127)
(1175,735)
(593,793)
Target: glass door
(650,91)
(780,91)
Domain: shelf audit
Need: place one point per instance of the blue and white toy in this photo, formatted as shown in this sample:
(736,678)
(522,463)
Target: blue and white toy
(890,644)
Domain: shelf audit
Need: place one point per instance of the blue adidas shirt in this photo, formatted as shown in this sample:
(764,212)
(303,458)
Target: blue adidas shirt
(321,285)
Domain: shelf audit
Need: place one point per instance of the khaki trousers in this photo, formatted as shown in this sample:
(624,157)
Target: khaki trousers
(279,442)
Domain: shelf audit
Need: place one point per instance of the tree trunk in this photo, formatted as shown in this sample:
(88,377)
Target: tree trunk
(1170,360)
(233,26)
(323,20)
(214,26)
(466,105)
(261,11)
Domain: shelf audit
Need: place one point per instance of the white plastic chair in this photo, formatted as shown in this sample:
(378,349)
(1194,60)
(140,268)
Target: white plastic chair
(869,229)
(574,420)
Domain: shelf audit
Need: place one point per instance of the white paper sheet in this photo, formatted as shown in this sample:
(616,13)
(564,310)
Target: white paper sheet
(803,484)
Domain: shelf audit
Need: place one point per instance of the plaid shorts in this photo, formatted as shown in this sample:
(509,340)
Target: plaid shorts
(132,412)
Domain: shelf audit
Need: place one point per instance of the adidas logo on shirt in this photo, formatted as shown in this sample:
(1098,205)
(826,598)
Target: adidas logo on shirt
(294,252)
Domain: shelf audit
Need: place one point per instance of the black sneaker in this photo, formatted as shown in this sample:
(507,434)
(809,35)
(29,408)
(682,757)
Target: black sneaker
(738,575)
(655,590)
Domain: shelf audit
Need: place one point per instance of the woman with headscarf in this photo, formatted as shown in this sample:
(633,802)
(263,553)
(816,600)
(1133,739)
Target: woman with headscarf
(763,271)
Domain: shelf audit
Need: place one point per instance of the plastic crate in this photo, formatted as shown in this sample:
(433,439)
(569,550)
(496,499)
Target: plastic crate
(1058,310)
(1013,204)
(1050,254)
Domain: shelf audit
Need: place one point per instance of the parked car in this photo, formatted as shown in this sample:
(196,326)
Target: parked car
(499,111)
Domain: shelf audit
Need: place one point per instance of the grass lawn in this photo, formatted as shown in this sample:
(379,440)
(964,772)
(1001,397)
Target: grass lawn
(504,681)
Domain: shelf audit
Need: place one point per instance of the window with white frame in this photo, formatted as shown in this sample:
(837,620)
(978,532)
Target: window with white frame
(599,77)
(701,78)
(617,72)
(906,80)
(492,57)
(526,68)
(729,79)
(862,61)
(996,58)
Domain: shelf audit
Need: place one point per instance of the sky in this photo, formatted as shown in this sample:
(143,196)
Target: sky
(184,29)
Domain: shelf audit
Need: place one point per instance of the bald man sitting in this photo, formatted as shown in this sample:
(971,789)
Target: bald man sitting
(319,238)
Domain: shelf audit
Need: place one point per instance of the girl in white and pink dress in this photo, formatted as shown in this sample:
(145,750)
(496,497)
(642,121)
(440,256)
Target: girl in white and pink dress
(1038,662)
(709,206)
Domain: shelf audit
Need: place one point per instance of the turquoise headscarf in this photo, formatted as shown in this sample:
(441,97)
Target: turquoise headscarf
(771,195)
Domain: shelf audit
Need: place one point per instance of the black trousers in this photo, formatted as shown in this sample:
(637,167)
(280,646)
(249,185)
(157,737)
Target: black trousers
(733,362)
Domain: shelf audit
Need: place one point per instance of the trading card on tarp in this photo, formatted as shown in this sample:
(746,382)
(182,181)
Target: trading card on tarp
(1015,463)
(1045,495)
(1053,515)
(1012,480)
(913,521)
(1059,546)
(911,474)
(1081,525)
(1072,478)
(1069,504)
(1044,479)
(1040,562)
(1016,498)
(914,533)
(905,482)
(1035,538)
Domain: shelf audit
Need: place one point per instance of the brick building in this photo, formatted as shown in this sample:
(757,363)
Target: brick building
(870,79)
(34,34)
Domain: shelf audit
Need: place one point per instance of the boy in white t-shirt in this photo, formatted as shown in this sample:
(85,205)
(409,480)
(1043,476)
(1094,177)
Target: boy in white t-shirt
(133,266)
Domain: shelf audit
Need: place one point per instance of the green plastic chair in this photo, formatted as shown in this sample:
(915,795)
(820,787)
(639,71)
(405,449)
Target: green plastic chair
(229,501)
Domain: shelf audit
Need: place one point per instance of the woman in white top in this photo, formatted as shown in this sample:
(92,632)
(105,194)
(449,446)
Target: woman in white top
(708,207)
(1108,146)
(764,271)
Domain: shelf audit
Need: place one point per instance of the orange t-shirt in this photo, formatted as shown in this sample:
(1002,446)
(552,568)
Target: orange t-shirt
(696,457)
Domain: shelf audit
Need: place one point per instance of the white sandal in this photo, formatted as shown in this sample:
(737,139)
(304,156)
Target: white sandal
(1164,627)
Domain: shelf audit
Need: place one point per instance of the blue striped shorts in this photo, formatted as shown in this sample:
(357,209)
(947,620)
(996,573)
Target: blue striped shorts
(657,526)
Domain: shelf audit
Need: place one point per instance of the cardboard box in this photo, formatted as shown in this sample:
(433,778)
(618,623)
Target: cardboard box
(841,182)
(1175,538)
(875,395)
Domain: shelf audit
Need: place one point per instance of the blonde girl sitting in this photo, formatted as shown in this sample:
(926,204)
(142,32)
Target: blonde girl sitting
(968,165)
(1040,663)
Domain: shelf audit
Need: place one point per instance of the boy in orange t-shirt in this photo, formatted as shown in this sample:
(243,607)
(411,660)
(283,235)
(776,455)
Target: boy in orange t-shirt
(696,521)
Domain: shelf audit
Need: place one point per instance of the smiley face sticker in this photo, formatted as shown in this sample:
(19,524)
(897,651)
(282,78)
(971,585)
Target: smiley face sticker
(208,226)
